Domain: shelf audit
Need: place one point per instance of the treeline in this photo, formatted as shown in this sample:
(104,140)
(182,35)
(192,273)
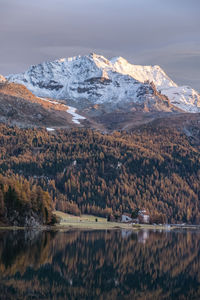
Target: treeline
(89,172)
(22,204)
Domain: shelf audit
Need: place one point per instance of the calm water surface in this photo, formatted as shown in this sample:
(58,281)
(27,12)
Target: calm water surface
(99,265)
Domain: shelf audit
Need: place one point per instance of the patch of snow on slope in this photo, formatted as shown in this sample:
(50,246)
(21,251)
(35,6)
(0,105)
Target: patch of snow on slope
(50,129)
(75,117)
(71,110)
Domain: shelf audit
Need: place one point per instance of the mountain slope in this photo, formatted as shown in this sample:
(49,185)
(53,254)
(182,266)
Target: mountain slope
(183,97)
(98,80)
(154,166)
(143,73)
(18,106)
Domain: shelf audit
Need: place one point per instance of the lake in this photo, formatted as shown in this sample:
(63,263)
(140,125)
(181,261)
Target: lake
(115,264)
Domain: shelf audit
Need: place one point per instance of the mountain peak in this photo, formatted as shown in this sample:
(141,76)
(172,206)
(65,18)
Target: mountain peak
(94,55)
(118,59)
(96,79)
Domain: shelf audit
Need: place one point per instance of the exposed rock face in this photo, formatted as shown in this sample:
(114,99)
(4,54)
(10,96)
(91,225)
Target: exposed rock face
(25,219)
(102,81)
(2,79)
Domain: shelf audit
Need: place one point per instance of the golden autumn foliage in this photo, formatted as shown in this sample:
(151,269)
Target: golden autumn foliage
(18,200)
(89,172)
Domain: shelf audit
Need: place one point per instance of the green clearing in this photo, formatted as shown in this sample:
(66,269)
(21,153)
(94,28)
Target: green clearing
(89,222)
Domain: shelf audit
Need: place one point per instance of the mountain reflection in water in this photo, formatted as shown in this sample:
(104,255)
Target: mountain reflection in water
(99,265)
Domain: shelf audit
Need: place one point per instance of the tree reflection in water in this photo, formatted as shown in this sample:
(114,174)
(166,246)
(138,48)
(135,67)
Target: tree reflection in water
(99,265)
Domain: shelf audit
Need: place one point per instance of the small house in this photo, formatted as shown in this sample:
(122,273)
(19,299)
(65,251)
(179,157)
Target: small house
(143,216)
(126,219)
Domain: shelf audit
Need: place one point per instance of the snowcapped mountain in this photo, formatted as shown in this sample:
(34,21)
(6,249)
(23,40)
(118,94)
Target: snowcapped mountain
(99,80)
(143,73)
(183,97)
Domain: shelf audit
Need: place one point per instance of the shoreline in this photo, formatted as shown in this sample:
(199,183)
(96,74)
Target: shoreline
(91,222)
(109,226)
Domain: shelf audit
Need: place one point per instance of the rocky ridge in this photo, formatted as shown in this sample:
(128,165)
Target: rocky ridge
(93,78)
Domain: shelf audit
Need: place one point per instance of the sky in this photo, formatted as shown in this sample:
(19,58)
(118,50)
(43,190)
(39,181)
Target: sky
(147,32)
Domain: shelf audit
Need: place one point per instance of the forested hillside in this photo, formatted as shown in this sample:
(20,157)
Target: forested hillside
(89,172)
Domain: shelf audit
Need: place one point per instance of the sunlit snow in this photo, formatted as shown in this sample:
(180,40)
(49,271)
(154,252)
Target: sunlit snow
(71,110)
(75,117)
(99,80)
(50,129)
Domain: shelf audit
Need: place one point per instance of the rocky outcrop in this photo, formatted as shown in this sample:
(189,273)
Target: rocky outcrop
(25,219)
(2,79)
